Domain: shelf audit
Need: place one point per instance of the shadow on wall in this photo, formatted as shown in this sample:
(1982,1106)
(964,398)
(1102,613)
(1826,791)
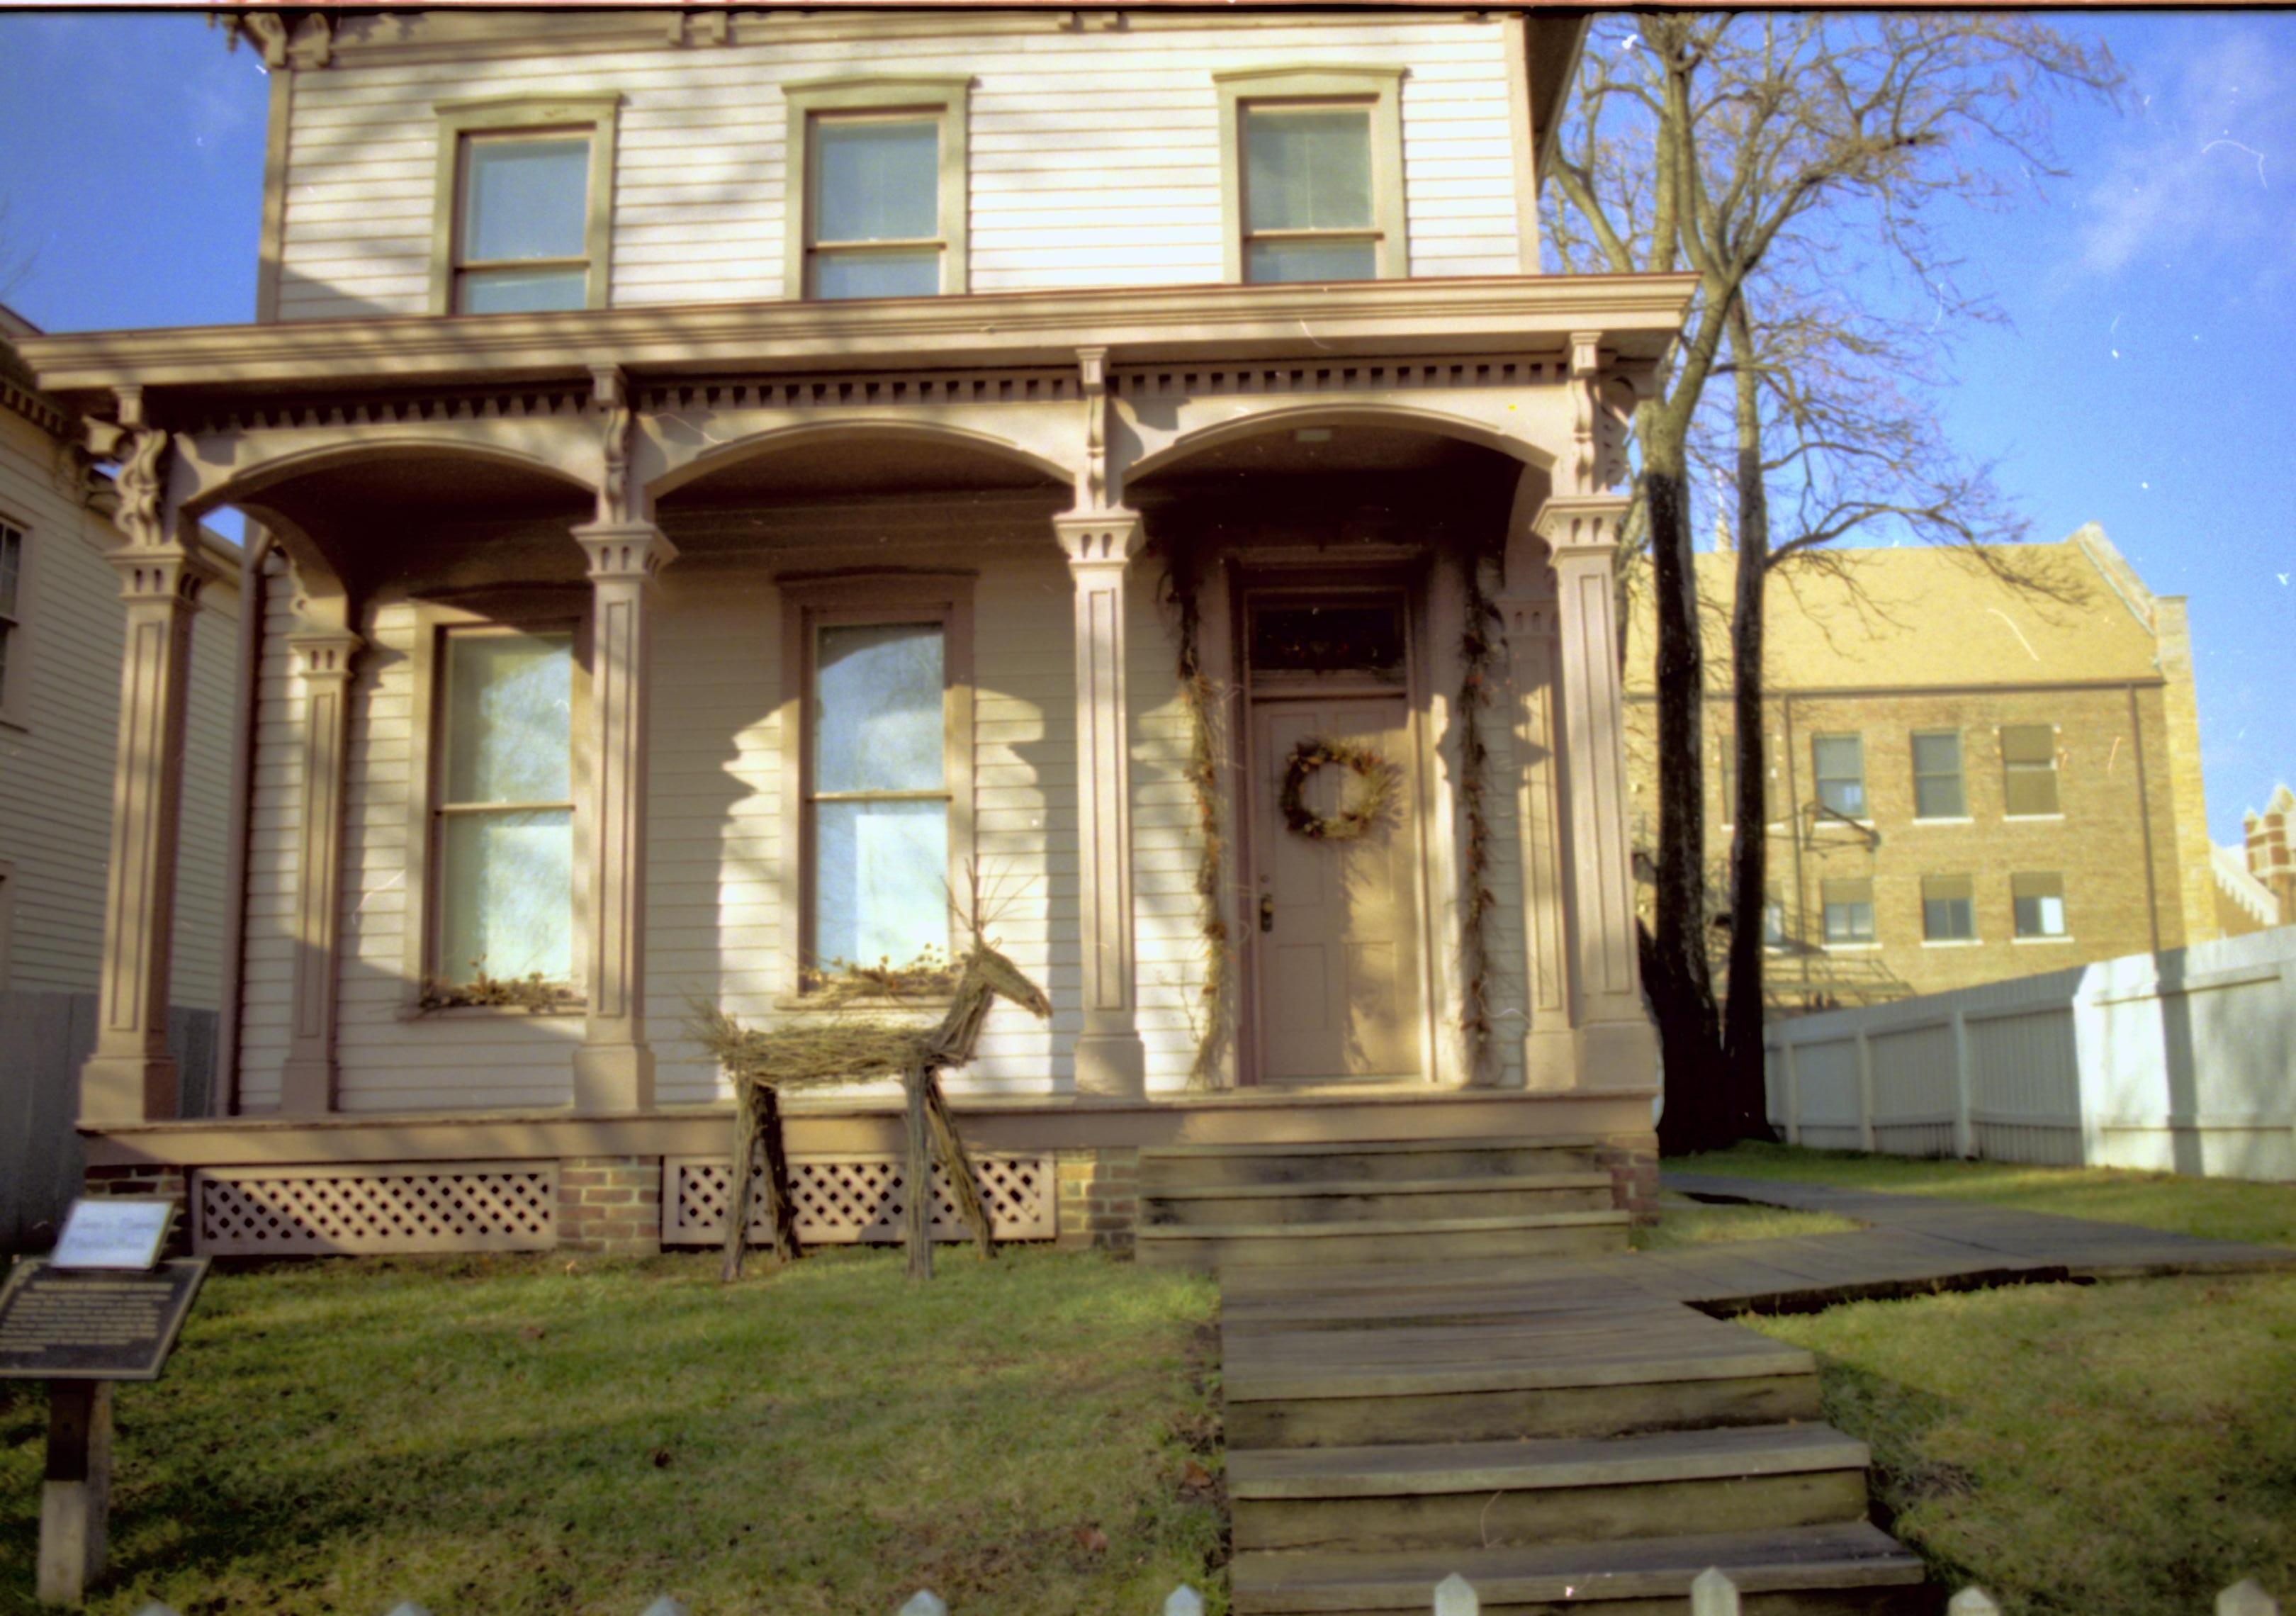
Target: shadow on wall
(44,1038)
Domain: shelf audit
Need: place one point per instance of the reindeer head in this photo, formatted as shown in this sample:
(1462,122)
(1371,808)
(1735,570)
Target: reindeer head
(985,965)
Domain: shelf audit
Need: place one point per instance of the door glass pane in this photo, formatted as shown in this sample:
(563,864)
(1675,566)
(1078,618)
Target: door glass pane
(510,717)
(915,272)
(1366,639)
(876,180)
(881,881)
(517,291)
(526,198)
(1307,167)
(508,881)
(1277,262)
(877,709)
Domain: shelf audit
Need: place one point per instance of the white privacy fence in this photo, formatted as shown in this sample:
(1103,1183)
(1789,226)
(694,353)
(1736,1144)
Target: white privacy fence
(2181,1062)
(1712,1594)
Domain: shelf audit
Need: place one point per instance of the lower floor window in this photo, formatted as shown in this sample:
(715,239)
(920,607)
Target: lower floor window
(1849,911)
(1948,912)
(2038,902)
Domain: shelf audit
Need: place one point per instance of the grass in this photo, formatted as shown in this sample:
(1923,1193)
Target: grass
(2218,1208)
(521,1435)
(2122,1450)
(1683,1222)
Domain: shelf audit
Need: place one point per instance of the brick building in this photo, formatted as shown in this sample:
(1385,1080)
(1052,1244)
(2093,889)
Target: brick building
(1981,766)
(2255,883)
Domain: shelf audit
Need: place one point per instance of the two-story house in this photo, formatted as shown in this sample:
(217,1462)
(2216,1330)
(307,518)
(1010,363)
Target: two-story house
(736,484)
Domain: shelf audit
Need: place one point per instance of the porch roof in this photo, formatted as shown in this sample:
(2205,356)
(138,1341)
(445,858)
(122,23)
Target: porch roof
(1634,316)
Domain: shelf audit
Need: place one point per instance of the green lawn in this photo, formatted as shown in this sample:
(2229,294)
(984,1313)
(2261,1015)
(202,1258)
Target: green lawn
(514,1435)
(2102,1450)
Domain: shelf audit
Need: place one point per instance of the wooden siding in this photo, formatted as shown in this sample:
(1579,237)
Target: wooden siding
(1095,157)
(56,767)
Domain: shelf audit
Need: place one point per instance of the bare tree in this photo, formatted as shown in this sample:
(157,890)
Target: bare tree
(1793,162)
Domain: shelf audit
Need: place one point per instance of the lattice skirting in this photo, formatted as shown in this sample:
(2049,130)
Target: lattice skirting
(842,1199)
(447,1206)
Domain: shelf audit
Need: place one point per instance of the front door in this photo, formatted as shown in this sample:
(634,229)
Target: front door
(1336,921)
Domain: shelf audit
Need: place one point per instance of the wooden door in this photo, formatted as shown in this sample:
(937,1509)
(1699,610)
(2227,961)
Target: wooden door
(1336,924)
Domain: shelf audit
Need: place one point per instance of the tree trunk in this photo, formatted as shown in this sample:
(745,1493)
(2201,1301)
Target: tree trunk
(1741,1109)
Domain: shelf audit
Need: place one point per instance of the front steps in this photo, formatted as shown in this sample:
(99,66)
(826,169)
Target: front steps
(1433,1361)
(1416,1201)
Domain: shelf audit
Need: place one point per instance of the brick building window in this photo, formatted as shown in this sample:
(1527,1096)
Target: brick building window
(1849,912)
(1839,763)
(1937,776)
(2029,770)
(2039,904)
(1948,910)
(1773,920)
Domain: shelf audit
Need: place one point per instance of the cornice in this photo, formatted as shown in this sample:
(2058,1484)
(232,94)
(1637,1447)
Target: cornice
(1636,315)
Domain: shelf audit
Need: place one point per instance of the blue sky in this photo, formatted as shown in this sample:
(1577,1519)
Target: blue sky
(2147,379)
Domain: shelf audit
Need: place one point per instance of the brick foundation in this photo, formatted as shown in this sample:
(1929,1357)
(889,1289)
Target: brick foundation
(148,1178)
(1099,1199)
(1632,1161)
(610,1205)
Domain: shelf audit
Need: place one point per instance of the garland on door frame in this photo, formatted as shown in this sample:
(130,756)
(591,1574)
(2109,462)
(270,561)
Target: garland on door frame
(1201,700)
(1377,781)
(1478,647)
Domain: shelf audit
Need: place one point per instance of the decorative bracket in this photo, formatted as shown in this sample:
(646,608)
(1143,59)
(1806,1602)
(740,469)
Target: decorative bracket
(1091,369)
(610,392)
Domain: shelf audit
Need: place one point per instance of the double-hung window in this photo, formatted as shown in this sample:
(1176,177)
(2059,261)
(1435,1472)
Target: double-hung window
(2038,904)
(1839,763)
(1948,910)
(884,766)
(1312,171)
(1849,912)
(504,804)
(2029,770)
(525,204)
(12,668)
(877,188)
(1937,775)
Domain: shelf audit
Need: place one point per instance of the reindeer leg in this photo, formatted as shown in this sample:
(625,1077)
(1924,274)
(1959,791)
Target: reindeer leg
(737,1186)
(781,1200)
(918,1199)
(963,1183)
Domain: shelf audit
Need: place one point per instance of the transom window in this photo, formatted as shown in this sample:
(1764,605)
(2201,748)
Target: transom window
(1838,765)
(2039,904)
(2029,770)
(879,798)
(1312,174)
(1937,776)
(878,177)
(1849,911)
(525,199)
(505,805)
(1948,910)
(12,625)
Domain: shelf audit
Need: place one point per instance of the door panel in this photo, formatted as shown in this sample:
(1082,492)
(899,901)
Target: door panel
(1337,975)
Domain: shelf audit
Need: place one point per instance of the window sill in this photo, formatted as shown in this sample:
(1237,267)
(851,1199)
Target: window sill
(1944,819)
(1852,948)
(1952,942)
(2033,819)
(487,1013)
(1845,827)
(809,1004)
(2061,937)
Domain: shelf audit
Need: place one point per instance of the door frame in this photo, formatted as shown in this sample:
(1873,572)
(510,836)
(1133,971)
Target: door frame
(1253,581)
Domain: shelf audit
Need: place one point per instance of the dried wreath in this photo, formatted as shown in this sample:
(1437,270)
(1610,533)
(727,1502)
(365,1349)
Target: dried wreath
(1378,780)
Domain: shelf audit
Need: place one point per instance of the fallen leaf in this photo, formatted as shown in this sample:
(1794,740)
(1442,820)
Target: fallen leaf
(661,1458)
(1092,1539)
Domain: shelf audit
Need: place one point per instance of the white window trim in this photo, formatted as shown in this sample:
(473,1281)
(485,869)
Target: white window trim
(520,114)
(947,98)
(1308,83)
(16,693)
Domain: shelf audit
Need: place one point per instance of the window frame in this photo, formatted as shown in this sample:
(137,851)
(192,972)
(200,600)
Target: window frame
(16,636)
(1825,903)
(946,97)
(508,612)
(811,602)
(1381,89)
(1960,773)
(2017,934)
(2010,769)
(531,116)
(1819,778)
(1966,897)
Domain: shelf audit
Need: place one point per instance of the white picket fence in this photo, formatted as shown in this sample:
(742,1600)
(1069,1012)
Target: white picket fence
(1712,1594)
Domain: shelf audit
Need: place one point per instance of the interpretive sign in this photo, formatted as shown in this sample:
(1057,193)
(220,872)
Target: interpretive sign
(114,1232)
(58,1324)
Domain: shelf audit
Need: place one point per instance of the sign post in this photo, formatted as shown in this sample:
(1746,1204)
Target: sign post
(101,1308)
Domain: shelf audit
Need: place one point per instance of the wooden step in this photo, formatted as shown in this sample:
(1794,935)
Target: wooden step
(1377,1201)
(1464,1494)
(1408,1159)
(1609,1375)
(1240,1245)
(1850,1566)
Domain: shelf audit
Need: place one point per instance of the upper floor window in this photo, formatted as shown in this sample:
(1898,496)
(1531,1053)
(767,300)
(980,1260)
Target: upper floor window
(12,621)
(1849,906)
(1937,776)
(1838,762)
(1312,174)
(525,204)
(879,193)
(2029,770)
(2037,905)
(1948,910)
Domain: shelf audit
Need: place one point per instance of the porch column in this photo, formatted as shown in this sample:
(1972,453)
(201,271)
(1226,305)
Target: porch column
(1617,1046)
(613,1069)
(1109,1060)
(130,1076)
(1550,1044)
(323,658)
